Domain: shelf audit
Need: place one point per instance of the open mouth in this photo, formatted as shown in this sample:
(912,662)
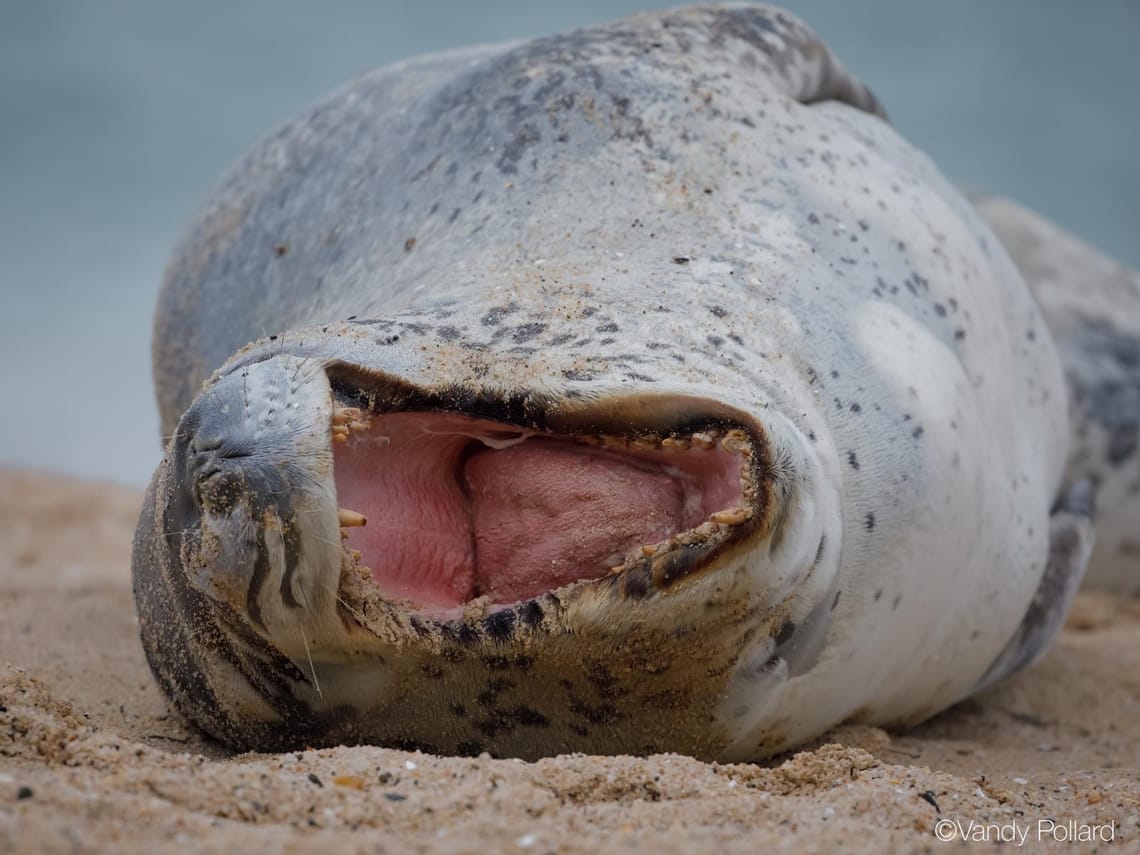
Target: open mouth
(446,508)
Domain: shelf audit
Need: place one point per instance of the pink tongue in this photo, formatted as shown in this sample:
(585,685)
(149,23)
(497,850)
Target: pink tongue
(543,511)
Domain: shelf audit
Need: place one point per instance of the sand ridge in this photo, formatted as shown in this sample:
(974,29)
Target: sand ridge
(92,758)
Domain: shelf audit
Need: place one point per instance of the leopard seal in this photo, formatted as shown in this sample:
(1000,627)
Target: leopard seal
(634,389)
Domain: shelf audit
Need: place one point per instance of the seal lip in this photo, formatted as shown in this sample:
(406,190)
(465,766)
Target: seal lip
(641,417)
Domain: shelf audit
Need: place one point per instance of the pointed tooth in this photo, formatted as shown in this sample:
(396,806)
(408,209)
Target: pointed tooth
(345,415)
(735,441)
(649,549)
(349,519)
(340,434)
(731,516)
(703,439)
(673,443)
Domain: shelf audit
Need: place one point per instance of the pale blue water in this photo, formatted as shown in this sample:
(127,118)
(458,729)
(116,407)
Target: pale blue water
(117,116)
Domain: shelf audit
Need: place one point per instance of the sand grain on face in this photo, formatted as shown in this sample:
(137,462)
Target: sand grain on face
(92,757)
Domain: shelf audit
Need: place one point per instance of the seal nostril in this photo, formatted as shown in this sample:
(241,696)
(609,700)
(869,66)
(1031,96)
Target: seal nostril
(198,446)
(208,473)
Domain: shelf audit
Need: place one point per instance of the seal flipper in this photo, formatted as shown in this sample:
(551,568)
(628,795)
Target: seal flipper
(1070,545)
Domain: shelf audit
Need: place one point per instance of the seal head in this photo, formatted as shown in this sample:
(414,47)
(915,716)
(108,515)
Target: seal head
(504,558)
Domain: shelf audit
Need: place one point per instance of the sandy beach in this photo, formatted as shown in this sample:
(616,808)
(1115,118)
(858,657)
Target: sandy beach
(93,759)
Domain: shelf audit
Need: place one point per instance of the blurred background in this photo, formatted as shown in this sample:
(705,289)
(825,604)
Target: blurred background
(117,117)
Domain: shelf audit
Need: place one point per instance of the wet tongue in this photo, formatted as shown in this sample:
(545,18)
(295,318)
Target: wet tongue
(546,513)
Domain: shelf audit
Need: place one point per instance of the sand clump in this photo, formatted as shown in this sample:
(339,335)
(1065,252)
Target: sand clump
(92,758)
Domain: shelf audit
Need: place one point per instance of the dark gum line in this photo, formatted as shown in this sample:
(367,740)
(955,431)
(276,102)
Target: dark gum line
(378,394)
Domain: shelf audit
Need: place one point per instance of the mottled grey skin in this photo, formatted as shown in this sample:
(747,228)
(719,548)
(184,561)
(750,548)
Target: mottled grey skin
(1092,306)
(681,220)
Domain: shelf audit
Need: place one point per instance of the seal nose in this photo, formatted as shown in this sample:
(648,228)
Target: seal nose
(252,486)
(214,454)
(256,433)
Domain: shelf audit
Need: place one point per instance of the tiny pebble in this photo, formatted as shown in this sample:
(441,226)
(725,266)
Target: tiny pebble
(25,793)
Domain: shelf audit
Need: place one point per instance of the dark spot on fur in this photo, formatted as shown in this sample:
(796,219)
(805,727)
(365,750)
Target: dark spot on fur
(635,583)
(869,521)
(852,459)
(718,311)
(605,714)
(495,724)
(531,614)
(526,332)
(461,633)
(493,317)
(528,717)
(525,136)
(784,634)
(409,244)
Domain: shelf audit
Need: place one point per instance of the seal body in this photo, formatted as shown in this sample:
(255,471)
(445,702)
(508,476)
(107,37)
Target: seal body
(552,265)
(1092,306)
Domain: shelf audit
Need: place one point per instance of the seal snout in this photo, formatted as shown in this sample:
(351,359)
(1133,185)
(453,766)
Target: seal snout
(251,485)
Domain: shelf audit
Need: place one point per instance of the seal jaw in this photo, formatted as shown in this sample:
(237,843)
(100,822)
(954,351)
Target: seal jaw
(450,510)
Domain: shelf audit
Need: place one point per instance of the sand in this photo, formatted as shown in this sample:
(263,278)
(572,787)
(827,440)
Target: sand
(92,758)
